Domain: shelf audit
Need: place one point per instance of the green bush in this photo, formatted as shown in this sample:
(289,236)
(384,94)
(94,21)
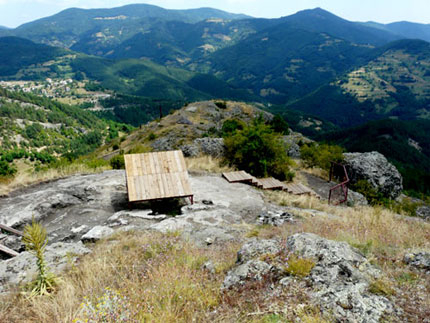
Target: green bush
(279,125)
(6,169)
(230,126)
(117,162)
(370,193)
(315,155)
(259,151)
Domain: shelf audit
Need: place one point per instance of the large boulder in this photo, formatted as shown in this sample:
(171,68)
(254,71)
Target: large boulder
(375,169)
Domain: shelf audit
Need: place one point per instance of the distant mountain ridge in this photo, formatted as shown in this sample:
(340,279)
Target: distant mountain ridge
(69,26)
(405,29)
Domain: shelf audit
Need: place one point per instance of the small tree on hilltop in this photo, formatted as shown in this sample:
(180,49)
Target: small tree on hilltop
(259,151)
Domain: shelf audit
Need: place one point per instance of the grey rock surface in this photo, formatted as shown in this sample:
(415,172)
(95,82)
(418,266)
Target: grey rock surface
(375,168)
(339,280)
(256,248)
(211,146)
(275,218)
(23,268)
(341,277)
(97,233)
(13,242)
(292,141)
(423,212)
(208,146)
(420,260)
(251,270)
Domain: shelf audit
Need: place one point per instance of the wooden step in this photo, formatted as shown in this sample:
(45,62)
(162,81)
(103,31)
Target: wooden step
(238,177)
(8,251)
(256,182)
(271,183)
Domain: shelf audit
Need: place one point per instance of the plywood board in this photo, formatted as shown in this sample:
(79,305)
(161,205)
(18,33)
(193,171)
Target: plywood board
(158,175)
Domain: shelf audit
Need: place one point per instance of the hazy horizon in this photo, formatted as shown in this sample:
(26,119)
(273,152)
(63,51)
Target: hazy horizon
(17,12)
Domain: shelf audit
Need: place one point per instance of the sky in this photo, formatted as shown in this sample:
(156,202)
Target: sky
(16,12)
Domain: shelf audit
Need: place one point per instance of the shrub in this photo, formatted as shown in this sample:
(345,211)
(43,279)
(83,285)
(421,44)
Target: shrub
(259,151)
(299,266)
(117,162)
(321,155)
(6,169)
(370,193)
(279,125)
(230,126)
(152,136)
(381,287)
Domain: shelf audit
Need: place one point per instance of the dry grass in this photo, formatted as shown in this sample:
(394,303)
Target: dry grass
(386,234)
(207,164)
(157,278)
(26,177)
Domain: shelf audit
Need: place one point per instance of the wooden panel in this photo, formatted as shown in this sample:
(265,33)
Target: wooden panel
(8,251)
(156,175)
(11,230)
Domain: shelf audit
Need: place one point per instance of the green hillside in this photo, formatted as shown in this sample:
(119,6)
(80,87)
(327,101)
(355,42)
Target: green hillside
(283,63)
(39,130)
(396,83)
(17,53)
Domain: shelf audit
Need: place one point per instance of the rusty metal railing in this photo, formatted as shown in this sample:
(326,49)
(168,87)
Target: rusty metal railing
(343,185)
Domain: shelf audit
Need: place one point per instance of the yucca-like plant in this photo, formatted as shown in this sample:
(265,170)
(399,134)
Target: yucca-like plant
(35,240)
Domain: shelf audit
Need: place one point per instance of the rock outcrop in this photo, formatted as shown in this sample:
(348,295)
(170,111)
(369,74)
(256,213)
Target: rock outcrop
(293,142)
(423,212)
(420,260)
(209,146)
(375,169)
(74,208)
(339,280)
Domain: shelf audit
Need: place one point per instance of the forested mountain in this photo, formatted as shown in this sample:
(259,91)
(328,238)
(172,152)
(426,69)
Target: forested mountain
(396,83)
(109,26)
(283,63)
(17,53)
(319,20)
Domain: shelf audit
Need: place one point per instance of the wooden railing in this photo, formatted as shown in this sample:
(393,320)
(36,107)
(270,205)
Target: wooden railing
(343,185)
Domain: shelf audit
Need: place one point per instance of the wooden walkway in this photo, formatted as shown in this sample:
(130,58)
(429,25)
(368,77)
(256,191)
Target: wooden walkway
(5,249)
(157,175)
(269,183)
